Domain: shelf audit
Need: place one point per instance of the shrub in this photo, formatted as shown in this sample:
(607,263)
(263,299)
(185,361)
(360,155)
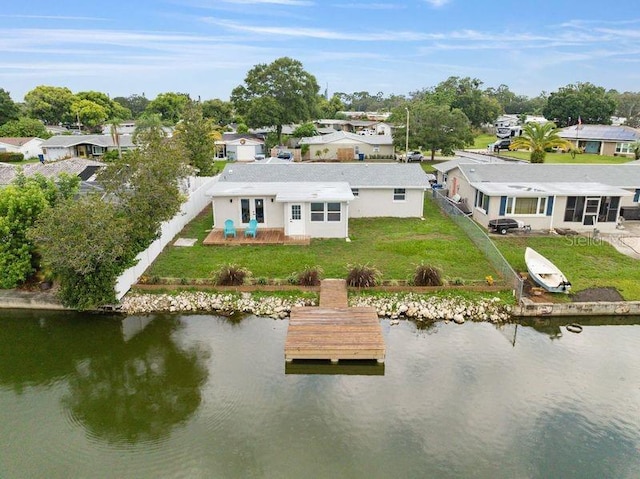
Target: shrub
(231,275)
(262,281)
(10,156)
(309,276)
(292,279)
(426,275)
(362,276)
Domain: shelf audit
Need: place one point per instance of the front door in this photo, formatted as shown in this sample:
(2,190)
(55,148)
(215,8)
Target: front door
(252,208)
(591,209)
(296,220)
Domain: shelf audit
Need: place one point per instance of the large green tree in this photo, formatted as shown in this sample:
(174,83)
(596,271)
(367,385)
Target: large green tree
(169,106)
(591,103)
(50,104)
(197,136)
(466,95)
(136,104)
(89,113)
(538,138)
(113,109)
(221,112)
(629,107)
(8,109)
(21,204)
(433,127)
(276,94)
(24,127)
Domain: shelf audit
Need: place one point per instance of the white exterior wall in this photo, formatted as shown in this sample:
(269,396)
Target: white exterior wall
(327,229)
(379,202)
(365,148)
(53,154)
(229,208)
(30,149)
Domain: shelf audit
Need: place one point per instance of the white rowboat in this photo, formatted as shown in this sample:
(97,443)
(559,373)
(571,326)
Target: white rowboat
(545,273)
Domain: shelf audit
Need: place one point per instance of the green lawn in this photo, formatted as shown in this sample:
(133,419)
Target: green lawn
(480,142)
(586,263)
(566,158)
(393,245)
(19,163)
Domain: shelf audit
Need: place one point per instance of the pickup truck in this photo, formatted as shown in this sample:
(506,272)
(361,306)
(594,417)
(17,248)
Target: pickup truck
(503,225)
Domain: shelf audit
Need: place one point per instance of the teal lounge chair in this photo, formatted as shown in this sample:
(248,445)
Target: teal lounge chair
(229,229)
(252,229)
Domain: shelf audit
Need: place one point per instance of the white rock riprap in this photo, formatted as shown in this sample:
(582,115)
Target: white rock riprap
(433,308)
(273,306)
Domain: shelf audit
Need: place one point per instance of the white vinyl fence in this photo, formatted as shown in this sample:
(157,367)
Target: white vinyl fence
(198,199)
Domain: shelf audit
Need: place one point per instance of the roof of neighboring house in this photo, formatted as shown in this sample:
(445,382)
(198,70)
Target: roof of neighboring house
(600,132)
(358,175)
(227,136)
(106,141)
(529,190)
(620,176)
(344,135)
(16,141)
(447,166)
(75,166)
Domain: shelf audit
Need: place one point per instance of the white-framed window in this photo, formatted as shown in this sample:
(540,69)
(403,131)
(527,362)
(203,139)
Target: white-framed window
(326,212)
(526,206)
(355,192)
(296,212)
(482,201)
(624,148)
(333,212)
(97,150)
(376,148)
(317,211)
(399,194)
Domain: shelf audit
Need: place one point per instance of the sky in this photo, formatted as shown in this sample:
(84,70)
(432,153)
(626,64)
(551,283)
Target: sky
(206,47)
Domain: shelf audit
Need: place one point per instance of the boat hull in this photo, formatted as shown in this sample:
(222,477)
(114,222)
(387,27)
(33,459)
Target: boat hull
(545,274)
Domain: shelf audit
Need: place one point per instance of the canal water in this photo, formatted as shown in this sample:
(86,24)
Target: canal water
(204,396)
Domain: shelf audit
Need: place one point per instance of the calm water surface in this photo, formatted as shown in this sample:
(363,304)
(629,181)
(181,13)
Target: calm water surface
(202,396)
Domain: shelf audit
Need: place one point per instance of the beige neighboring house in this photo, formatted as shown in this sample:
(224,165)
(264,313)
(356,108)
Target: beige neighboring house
(240,147)
(344,146)
(30,146)
(607,140)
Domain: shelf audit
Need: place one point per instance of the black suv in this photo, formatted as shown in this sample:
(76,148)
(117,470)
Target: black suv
(502,144)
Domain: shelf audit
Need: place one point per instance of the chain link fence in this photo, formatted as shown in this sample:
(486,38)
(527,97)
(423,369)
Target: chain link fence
(482,241)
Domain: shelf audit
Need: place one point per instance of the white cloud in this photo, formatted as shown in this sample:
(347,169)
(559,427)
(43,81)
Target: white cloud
(437,3)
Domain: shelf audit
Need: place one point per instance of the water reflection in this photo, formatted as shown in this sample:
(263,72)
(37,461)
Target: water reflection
(346,367)
(119,391)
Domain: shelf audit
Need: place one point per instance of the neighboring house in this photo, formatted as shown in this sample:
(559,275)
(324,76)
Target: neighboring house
(317,199)
(83,168)
(57,130)
(366,115)
(345,146)
(30,147)
(240,147)
(361,127)
(547,196)
(83,146)
(602,139)
(442,169)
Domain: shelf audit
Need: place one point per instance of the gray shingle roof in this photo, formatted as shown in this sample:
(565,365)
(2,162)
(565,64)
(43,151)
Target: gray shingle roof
(65,141)
(73,166)
(623,176)
(600,132)
(358,175)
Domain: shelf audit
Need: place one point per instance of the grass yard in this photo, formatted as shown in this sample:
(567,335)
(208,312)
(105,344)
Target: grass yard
(566,158)
(393,245)
(587,264)
(480,142)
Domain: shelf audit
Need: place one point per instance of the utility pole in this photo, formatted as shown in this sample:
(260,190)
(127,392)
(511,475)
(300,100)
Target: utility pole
(406,143)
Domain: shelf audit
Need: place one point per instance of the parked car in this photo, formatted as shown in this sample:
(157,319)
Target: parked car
(503,225)
(414,156)
(502,144)
(285,155)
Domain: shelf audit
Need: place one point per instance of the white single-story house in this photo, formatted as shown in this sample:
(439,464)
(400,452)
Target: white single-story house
(548,196)
(602,139)
(345,146)
(317,199)
(240,147)
(83,146)
(30,146)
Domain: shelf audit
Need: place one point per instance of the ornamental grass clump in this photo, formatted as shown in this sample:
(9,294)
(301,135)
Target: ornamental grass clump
(231,275)
(363,276)
(426,275)
(310,276)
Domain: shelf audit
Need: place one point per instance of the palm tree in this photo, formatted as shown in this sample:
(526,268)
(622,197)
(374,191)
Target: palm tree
(537,138)
(115,135)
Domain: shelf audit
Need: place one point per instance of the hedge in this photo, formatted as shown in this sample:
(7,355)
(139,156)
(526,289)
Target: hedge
(10,156)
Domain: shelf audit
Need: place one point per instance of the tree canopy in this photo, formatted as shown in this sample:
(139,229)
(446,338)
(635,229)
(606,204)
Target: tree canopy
(50,104)
(24,127)
(169,106)
(197,136)
(221,112)
(276,94)
(434,127)
(136,104)
(8,109)
(537,138)
(591,103)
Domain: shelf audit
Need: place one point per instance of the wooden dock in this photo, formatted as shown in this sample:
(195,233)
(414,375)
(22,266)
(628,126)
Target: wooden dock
(334,331)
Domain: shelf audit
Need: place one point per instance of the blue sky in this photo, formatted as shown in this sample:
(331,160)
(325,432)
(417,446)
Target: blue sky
(206,47)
